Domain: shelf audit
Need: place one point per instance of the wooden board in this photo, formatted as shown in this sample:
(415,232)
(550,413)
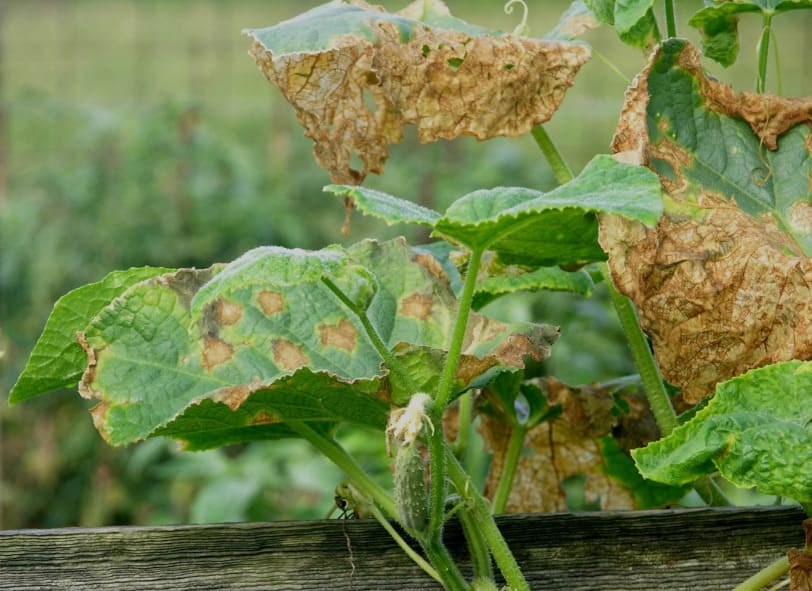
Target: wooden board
(646,550)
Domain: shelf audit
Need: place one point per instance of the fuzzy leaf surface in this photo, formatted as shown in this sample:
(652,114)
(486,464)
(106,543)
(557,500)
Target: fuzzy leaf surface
(57,360)
(757,431)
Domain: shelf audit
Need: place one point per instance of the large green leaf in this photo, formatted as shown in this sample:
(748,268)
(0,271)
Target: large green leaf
(757,431)
(530,227)
(719,24)
(57,360)
(503,280)
(278,335)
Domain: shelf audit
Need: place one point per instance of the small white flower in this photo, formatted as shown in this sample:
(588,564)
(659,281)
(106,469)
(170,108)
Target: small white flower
(405,424)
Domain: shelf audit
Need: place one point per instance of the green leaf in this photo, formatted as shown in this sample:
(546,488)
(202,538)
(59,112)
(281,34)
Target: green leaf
(723,154)
(633,20)
(647,493)
(242,349)
(386,207)
(719,24)
(556,228)
(506,280)
(58,360)
(757,431)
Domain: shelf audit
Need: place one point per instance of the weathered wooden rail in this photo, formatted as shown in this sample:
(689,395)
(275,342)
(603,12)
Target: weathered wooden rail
(651,550)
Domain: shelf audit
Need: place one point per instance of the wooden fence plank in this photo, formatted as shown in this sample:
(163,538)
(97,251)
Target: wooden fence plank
(673,549)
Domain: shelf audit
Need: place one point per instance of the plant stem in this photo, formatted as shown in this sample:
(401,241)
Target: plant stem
(561,171)
(464,419)
(611,66)
(404,545)
(437,553)
(338,455)
(670,19)
(514,450)
(763,53)
(477,547)
(481,513)
(658,398)
(389,359)
(766,575)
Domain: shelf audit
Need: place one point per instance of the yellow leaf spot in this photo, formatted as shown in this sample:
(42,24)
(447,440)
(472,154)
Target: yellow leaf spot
(271,302)
(228,313)
(215,352)
(417,306)
(340,335)
(288,356)
(234,396)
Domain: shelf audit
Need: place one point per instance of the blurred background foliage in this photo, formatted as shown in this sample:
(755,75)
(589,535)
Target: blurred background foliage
(139,132)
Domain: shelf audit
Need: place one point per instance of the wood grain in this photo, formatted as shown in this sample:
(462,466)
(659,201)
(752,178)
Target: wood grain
(647,550)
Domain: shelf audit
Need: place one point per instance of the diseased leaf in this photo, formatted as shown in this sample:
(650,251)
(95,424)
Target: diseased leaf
(271,337)
(381,205)
(719,24)
(57,360)
(566,446)
(419,67)
(757,431)
(723,283)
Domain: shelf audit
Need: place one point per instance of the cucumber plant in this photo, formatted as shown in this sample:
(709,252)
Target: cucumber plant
(700,223)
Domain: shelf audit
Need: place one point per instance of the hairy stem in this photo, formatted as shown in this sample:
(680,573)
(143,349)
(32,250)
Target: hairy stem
(765,576)
(670,18)
(338,455)
(561,170)
(763,53)
(487,526)
(437,553)
(464,431)
(477,547)
(514,450)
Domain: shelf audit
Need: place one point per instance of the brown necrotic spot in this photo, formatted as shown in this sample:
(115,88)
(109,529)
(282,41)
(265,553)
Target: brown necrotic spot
(340,335)
(271,302)
(263,418)
(417,306)
(227,313)
(215,352)
(234,396)
(287,355)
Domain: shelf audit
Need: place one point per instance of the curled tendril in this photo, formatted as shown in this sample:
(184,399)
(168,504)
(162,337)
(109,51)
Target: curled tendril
(521,28)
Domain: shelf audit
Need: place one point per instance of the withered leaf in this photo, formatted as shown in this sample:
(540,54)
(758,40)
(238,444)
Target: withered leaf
(723,283)
(566,446)
(356,75)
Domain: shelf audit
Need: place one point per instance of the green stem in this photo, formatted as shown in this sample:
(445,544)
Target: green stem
(658,398)
(670,19)
(765,576)
(514,451)
(477,547)
(336,454)
(763,53)
(608,63)
(404,545)
(481,513)
(709,491)
(437,461)
(561,171)
(464,430)
(437,553)
(390,360)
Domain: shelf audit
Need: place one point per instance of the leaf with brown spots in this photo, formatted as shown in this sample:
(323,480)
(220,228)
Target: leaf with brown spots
(356,75)
(724,283)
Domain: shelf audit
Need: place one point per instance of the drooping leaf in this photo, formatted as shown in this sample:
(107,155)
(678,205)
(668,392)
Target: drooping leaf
(277,336)
(530,227)
(421,67)
(723,283)
(633,20)
(565,437)
(575,21)
(718,23)
(57,360)
(757,431)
